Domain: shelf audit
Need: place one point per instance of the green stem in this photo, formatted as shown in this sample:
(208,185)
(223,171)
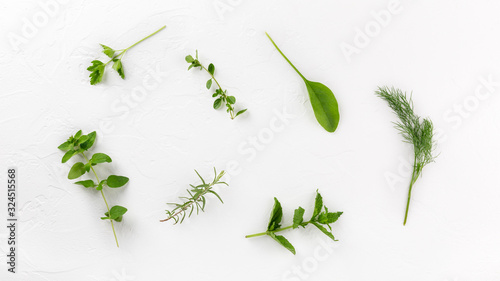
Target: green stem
(273,231)
(277,48)
(103,197)
(122,53)
(414,178)
(231,111)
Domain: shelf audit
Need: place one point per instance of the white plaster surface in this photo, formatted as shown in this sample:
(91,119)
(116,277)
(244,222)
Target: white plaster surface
(443,51)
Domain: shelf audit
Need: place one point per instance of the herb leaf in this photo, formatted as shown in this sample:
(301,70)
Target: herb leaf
(116,181)
(318,219)
(323,101)
(276,216)
(100,158)
(86,183)
(76,171)
(283,241)
(298,217)
(415,131)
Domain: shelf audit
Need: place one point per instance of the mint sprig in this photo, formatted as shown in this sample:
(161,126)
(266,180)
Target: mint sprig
(319,219)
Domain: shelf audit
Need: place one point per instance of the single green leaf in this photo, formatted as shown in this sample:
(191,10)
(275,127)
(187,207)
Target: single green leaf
(323,101)
(76,171)
(97,72)
(116,213)
(189,59)
(86,183)
(327,218)
(108,51)
(283,241)
(324,230)
(240,112)
(217,103)
(117,65)
(211,68)
(231,99)
(209,84)
(68,155)
(82,139)
(116,181)
(100,158)
(66,146)
(78,134)
(89,142)
(318,205)
(276,216)
(298,217)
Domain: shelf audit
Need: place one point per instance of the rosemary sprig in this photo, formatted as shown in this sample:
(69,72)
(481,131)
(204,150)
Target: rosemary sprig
(221,94)
(196,199)
(415,131)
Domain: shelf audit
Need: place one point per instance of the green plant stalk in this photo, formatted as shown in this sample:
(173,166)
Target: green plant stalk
(231,111)
(123,51)
(414,177)
(103,197)
(276,230)
(291,64)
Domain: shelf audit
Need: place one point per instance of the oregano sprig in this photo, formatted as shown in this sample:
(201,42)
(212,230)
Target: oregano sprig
(319,219)
(220,94)
(79,144)
(196,199)
(415,131)
(97,68)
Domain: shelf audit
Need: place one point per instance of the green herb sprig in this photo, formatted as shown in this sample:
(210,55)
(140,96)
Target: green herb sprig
(79,144)
(415,131)
(220,94)
(98,67)
(323,101)
(318,219)
(196,199)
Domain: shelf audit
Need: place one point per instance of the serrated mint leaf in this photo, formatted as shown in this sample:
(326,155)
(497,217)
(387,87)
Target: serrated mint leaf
(283,241)
(298,217)
(276,216)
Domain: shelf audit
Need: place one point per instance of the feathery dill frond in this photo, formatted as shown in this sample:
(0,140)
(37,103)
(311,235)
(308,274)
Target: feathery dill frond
(196,199)
(415,130)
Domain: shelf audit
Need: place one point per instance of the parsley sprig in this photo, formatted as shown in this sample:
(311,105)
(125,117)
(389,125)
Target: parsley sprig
(319,219)
(220,94)
(98,67)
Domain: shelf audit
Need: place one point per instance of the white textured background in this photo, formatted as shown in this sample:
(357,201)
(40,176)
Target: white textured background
(440,50)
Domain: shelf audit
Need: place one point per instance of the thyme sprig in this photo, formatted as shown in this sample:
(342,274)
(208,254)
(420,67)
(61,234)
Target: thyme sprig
(220,93)
(415,131)
(196,199)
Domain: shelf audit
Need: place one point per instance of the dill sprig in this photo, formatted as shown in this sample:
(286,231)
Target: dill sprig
(415,131)
(196,199)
